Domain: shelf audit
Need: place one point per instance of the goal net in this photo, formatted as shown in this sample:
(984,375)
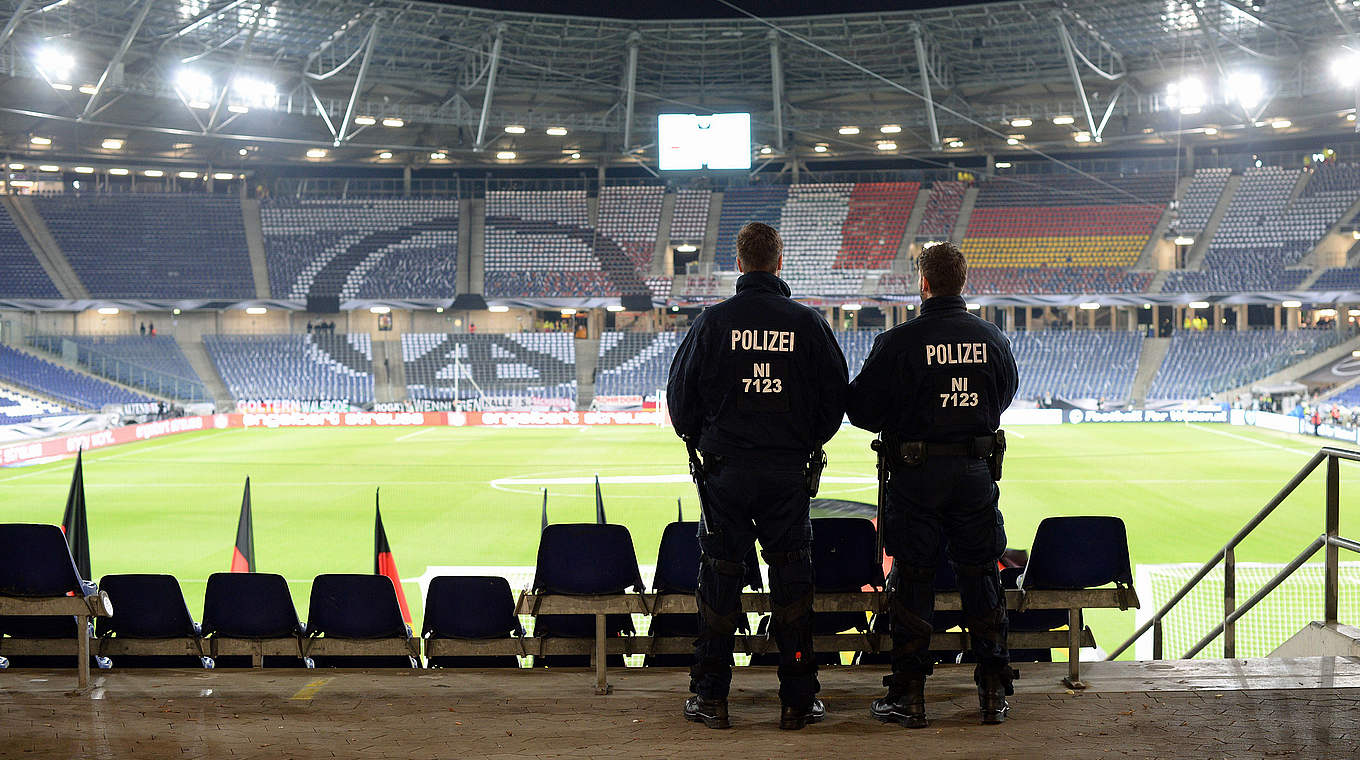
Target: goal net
(1284,612)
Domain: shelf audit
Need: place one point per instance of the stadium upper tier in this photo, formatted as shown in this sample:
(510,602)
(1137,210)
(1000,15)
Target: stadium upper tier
(307,367)
(1199,364)
(126,245)
(71,387)
(380,248)
(17,407)
(153,362)
(21,275)
(509,371)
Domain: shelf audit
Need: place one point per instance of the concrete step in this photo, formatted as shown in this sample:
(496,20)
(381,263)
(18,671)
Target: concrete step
(587,359)
(1322,640)
(1194,258)
(1149,361)
(259,267)
(907,248)
(965,214)
(663,237)
(34,231)
(198,358)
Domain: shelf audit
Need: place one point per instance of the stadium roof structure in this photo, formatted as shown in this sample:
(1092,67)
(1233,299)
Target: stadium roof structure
(230,82)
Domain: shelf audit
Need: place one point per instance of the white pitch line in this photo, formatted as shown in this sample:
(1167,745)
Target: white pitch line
(1011,431)
(1256,441)
(104,458)
(408,436)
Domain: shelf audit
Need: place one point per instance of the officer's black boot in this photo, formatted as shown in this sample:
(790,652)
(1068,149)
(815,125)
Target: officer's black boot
(710,712)
(993,687)
(793,718)
(905,702)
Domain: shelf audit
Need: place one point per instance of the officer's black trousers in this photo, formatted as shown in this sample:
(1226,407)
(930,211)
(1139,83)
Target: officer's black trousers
(743,502)
(947,500)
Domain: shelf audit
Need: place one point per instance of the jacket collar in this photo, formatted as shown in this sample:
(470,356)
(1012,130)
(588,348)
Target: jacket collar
(763,281)
(941,304)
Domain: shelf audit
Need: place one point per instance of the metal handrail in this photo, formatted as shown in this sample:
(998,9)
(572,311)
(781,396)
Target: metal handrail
(1330,540)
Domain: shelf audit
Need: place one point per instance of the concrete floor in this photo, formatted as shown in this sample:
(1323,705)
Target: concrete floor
(1216,708)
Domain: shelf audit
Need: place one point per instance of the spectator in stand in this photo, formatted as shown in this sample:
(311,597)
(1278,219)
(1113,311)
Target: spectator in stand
(143,328)
(309,327)
(151,328)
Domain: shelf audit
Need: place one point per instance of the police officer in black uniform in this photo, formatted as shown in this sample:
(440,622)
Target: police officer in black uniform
(935,388)
(757,386)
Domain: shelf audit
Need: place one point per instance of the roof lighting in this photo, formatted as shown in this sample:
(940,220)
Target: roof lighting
(557,131)
(237,108)
(887,145)
(254,92)
(514,129)
(1089,306)
(575,156)
(1199,304)
(851,306)
(365,121)
(84,170)
(1184,240)
(1188,95)
(1355,234)
(439,310)
(61,86)
(955,143)
(1013,140)
(385,155)
(119,172)
(87,89)
(49,168)
(1281,124)
(438,155)
(1291,304)
(614,307)
(568,312)
(316,153)
(176,311)
(1211,131)
(1350,116)
(766,150)
(890,129)
(36,140)
(256,311)
(108,311)
(1063,121)
(498,309)
(686,248)
(1346,68)
(819,148)
(974,306)
(195,87)
(16,167)
(187,175)
(153,173)
(506,155)
(223,175)
(1082,137)
(111,143)
(393,122)
(1246,88)
(243,152)
(848,130)
(1022,122)
(1002,164)
(55,64)
(380,310)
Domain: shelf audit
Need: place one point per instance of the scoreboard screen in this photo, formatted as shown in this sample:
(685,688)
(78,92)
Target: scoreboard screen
(716,141)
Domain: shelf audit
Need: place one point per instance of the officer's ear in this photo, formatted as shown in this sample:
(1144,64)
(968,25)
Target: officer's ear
(925,285)
(779,265)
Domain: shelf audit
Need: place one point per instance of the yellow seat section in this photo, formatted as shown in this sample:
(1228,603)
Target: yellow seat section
(1084,250)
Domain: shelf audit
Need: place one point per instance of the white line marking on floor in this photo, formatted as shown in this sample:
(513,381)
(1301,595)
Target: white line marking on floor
(1256,441)
(408,436)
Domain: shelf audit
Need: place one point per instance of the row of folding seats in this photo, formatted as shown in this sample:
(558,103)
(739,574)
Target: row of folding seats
(630,215)
(1199,364)
(634,364)
(76,389)
(874,226)
(17,407)
(1026,280)
(1201,198)
(311,367)
(1075,364)
(23,277)
(1069,189)
(689,221)
(541,243)
(739,206)
(1067,553)
(1065,220)
(303,237)
(142,245)
(514,370)
(1338,278)
(811,222)
(942,210)
(153,362)
(1019,251)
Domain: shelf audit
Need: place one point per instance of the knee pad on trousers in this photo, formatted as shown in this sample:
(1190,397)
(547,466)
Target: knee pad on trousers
(723,566)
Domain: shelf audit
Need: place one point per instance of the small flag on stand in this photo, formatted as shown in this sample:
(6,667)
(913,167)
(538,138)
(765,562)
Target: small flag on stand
(599,502)
(545,511)
(383,563)
(243,554)
(73,522)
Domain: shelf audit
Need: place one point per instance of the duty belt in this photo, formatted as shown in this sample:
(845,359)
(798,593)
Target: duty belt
(978,448)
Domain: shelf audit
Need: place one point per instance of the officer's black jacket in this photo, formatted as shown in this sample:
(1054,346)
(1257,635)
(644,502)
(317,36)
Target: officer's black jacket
(944,376)
(759,375)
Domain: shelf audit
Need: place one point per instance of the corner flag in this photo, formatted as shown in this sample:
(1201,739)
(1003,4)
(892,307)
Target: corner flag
(243,556)
(383,563)
(73,522)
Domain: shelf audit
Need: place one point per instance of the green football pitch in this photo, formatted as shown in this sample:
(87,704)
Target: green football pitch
(470,496)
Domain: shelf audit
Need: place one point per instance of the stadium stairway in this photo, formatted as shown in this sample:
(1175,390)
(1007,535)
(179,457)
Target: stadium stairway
(965,215)
(259,266)
(1335,249)
(663,237)
(710,246)
(1298,370)
(207,372)
(587,359)
(902,263)
(1149,361)
(44,246)
(1194,258)
(389,378)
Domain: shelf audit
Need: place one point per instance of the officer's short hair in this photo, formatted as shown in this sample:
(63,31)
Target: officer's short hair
(943,267)
(759,247)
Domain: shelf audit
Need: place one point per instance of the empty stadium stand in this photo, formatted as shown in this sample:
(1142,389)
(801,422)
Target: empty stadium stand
(1331,191)
(1074,364)
(152,362)
(741,205)
(517,370)
(303,367)
(630,216)
(689,222)
(151,245)
(1202,363)
(634,364)
(378,248)
(1256,243)
(1201,197)
(23,277)
(1066,235)
(69,386)
(17,407)
(942,210)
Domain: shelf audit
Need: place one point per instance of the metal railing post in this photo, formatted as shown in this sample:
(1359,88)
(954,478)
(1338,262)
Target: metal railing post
(1229,603)
(1333,579)
(1157,642)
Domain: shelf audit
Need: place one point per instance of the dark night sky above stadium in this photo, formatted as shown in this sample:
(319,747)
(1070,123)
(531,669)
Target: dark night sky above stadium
(670,9)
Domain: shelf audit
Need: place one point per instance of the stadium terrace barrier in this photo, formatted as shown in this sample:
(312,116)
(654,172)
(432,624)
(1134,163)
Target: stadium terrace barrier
(1072,601)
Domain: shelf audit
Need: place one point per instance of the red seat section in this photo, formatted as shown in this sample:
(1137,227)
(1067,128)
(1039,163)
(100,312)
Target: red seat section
(875,224)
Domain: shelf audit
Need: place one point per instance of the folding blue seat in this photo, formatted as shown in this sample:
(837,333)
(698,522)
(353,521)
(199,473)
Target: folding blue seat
(35,563)
(149,607)
(253,607)
(677,572)
(584,559)
(359,607)
(1072,553)
(471,607)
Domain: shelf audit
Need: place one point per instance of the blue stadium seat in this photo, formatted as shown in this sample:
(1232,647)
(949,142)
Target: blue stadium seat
(36,563)
(844,558)
(677,572)
(149,606)
(252,606)
(357,606)
(471,607)
(1073,553)
(584,559)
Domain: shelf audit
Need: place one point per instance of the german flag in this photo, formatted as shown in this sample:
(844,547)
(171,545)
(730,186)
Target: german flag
(383,563)
(243,556)
(73,522)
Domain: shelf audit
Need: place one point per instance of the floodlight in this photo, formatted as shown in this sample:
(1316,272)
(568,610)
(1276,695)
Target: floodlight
(187,175)
(49,168)
(385,155)
(819,148)
(223,175)
(195,86)
(890,129)
(1082,137)
(118,172)
(1346,68)
(254,92)
(1188,95)
(111,143)
(955,143)
(1281,124)
(1246,88)
(1002,164)
(36,140)
(153,173)
(886,145)
(438,155)
(575,156)
(55,64)
(84,170)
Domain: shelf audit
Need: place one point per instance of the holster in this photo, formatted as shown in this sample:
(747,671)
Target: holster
(812,471)
(998,455)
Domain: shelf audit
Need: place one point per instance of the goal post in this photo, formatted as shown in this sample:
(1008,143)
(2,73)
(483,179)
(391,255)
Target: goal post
(1284,612)
(663,410)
